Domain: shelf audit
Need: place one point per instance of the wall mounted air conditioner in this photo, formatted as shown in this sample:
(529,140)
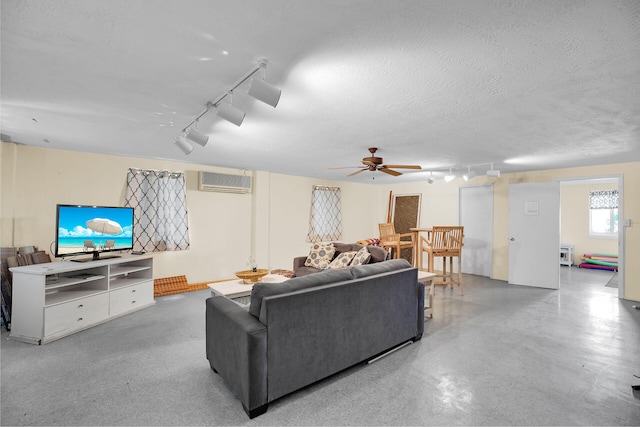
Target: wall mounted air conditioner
(224,183)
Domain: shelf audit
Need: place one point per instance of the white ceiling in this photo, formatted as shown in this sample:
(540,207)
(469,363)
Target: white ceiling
(527,85)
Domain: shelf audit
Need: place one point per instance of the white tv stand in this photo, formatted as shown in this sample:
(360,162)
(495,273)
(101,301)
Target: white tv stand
(56,299)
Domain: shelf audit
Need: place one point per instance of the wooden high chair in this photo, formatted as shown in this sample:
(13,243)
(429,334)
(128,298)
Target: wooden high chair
(445,242)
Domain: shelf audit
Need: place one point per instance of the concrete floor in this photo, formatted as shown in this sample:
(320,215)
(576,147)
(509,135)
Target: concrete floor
(500,355)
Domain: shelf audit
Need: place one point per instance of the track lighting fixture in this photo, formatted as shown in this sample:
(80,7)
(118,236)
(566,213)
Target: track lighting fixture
(467,176)
(263,91)
(492,172)
(470,174)
(450,177)
(230,113)
(183,144)
(198,137)
(259,89)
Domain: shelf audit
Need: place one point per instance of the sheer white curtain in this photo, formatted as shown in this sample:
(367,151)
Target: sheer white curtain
(325,223)
(159,199)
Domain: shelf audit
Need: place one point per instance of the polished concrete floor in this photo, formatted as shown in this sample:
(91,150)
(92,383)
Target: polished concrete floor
(500,355)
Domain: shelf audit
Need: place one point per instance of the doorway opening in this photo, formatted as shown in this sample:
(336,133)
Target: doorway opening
(602,254)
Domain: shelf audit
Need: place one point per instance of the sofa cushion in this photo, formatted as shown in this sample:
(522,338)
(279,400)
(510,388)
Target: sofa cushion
(345,247)
(343,260)
(262,289)
(378,254)
(303,271)
(379,268)
(320,255)
(362,257)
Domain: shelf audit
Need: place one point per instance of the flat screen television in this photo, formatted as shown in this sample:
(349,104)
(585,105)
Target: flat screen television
(92,230)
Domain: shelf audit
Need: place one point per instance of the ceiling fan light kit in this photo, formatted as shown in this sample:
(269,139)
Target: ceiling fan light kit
(259,89)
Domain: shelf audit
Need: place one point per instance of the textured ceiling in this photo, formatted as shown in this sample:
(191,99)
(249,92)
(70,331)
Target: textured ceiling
(526,85)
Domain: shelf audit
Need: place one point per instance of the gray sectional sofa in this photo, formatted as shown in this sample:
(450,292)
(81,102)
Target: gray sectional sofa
(307,328)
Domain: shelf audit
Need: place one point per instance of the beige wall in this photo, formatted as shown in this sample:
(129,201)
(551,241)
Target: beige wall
(271,223)
(225,229)
(219,223)
(574,224)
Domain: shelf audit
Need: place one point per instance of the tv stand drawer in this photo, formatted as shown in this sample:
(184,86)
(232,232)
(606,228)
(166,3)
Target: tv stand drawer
(131,298)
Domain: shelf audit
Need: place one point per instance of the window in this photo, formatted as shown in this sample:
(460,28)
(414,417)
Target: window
(326,216)
(159,199)
(603,213)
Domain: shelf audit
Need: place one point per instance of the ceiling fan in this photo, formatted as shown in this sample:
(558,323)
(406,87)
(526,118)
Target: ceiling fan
(373,163)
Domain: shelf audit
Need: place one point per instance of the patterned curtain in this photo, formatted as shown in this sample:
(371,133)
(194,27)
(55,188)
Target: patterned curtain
(159,199)
(604,199)
(326,215)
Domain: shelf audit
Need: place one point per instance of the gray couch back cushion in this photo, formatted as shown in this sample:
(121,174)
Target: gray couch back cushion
(261,290)
(359,271)
(378,254)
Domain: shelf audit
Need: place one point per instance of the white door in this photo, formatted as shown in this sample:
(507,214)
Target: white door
(534,234)
(476,215)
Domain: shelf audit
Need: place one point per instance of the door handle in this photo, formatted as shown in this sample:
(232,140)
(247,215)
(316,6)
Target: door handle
(512,239)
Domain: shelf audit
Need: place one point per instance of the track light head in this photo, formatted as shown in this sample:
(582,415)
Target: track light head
(230,113)
(263,91)
(198,137)
(470,174)
(431,179)
(450,177)
(492,172)
(184,145)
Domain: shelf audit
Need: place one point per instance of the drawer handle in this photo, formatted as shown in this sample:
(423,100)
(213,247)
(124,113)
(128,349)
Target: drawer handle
(80,306)
(133,302)
(80,319)
(133,290)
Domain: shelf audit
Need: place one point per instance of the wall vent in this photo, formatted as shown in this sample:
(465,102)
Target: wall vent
(224,183)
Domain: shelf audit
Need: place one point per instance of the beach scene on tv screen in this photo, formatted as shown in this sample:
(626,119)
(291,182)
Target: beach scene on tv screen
(107,228)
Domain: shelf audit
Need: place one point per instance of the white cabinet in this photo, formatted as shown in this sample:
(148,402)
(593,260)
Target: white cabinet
(566,254)
(53,300)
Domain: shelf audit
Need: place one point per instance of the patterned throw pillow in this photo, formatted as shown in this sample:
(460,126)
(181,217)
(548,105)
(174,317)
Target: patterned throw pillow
(362,257)
(320,255)
(342,260)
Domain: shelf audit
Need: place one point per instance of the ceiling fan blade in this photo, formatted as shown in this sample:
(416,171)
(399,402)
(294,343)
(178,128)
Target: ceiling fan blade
(344,167)
(404,166)
(356,172)
(386,169)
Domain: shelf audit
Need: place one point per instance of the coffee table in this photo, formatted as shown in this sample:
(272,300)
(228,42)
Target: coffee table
(239,292)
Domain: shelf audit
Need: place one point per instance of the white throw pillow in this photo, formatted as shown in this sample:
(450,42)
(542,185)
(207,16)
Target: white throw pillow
(362,257)
(320,255)
(342,260)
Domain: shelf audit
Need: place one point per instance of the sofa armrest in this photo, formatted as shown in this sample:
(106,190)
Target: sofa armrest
(299,262)
(236,345)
